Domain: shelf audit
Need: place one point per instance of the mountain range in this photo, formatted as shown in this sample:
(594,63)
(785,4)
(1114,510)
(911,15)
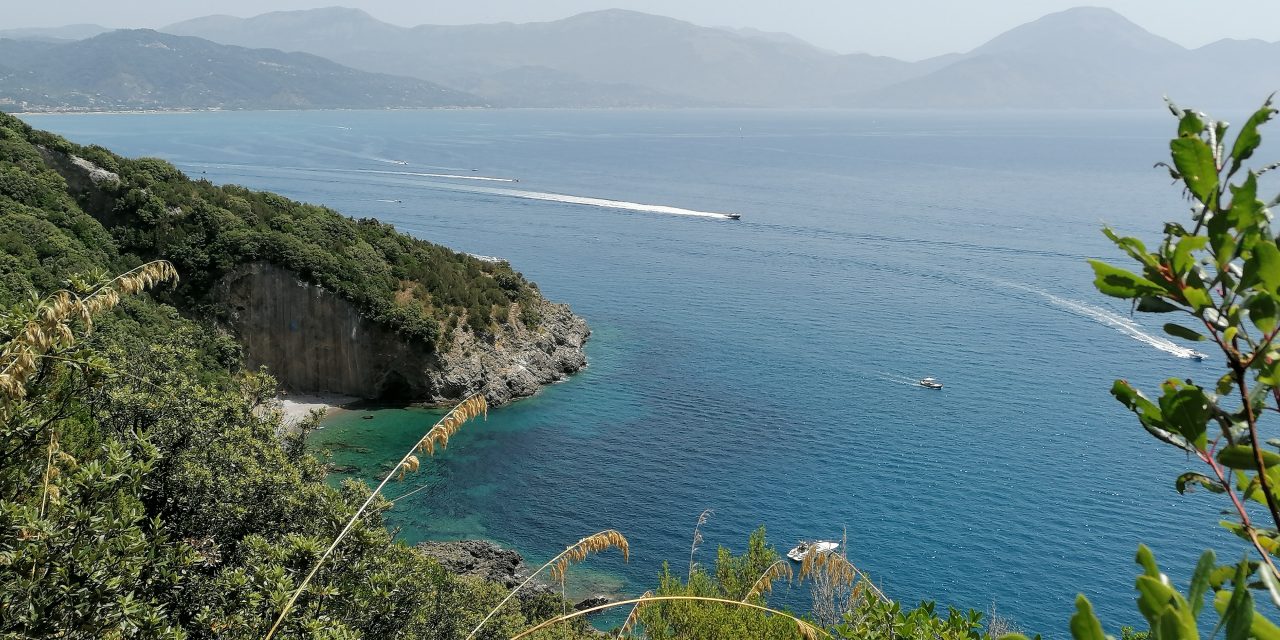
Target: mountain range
(1085,57)
(143,69)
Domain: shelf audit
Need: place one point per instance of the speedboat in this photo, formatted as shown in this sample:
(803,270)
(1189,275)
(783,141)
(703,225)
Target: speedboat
(1197,356)
(930,383)
(815,546)
(733,216)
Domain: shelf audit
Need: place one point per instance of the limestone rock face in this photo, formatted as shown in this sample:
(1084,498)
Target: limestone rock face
(86,180)
(313,340)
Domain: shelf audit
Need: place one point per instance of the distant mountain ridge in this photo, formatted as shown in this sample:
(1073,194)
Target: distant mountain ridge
(1084,57)
(144,69)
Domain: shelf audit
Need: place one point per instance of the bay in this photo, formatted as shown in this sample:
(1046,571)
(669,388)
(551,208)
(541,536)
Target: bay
(763,368)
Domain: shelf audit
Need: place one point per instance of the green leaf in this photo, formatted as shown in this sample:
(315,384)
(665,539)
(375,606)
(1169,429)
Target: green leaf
(1174,625)
(1179,331)
(1154,597)
(1085,625)
(1238,616)
(1147,560)
(1240,456)
(1200,581)
(1189,124)
(1246,209)
(1263,266)
(1248,139)
(1261,628)
(1197,297)
(1194,160)
(1119,283)
(1151,304)
(1262,312)
(1191,477)
(1133,247)
(1183,259)
(1186,411)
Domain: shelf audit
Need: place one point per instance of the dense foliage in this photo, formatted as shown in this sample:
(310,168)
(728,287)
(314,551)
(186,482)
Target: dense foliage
(1222,273)
(147,492)
(51,229)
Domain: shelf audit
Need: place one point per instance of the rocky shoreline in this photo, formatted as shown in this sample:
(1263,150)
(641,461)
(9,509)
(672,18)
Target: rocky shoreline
(490,562)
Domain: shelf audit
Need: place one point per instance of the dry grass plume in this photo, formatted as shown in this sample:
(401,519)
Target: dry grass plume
(764,584)
(576,552)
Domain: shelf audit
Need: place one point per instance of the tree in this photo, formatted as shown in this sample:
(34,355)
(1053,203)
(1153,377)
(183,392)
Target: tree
(1222,275)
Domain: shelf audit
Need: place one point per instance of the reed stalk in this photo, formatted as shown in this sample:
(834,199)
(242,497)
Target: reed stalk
(633,617)
(764,584)
(697,537)
(807,630)
(575,552)
(439,434)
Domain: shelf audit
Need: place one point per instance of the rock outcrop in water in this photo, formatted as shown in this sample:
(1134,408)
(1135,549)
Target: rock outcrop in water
(312,338)
(477,559)
(315,341)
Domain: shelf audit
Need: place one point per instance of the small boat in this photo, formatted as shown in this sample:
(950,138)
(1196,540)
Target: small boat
(816,546)
(930,383)
(1197,356)
(733,216)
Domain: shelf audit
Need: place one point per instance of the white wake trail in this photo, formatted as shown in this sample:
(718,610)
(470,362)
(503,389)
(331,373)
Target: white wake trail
(453,176)
(599,202)
(1110,319)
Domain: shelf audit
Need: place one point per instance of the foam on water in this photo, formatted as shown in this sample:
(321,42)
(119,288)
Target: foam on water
(587,201)
(453,176)
(1110,319)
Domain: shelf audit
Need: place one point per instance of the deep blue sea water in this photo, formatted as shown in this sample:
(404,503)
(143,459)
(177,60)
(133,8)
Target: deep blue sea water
(761,367)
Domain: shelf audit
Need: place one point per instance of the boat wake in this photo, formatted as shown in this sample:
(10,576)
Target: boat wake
(452,176)
(596,202)
(897,378)
(495,191)
(1114,320)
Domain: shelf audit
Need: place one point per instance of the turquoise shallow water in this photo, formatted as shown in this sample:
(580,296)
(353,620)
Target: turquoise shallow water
(757,367)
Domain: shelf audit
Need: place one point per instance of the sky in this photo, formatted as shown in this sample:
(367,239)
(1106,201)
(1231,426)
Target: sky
(907,29)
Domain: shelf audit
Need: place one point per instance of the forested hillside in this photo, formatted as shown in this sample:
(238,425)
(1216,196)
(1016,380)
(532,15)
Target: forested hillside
(147,490)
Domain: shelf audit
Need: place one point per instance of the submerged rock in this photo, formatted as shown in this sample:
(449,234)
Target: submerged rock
(593,601)
(477,559)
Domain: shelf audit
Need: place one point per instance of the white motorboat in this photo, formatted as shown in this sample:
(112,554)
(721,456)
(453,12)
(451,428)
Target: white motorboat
(1197,356)
(811,546)
(930,383)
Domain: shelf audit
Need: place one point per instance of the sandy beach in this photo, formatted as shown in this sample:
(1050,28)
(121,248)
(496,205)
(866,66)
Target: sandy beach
(294,408)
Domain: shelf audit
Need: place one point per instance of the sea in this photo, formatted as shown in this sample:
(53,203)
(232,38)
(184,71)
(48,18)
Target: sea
(766,368)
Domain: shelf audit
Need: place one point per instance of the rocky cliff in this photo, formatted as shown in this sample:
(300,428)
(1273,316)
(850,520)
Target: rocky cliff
(315,341)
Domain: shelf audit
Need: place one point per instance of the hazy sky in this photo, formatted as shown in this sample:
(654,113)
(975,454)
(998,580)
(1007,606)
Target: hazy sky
(909,29)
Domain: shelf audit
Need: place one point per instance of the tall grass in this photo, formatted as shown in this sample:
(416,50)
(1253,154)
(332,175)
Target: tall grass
(437,435)
(697,536)
(576,552)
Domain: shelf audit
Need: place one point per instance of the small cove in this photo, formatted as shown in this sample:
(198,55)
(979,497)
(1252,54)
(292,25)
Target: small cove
(751,367)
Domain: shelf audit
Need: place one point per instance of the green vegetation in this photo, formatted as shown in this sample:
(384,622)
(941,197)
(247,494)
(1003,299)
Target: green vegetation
(146,493)
(1222,274)
(51,229)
